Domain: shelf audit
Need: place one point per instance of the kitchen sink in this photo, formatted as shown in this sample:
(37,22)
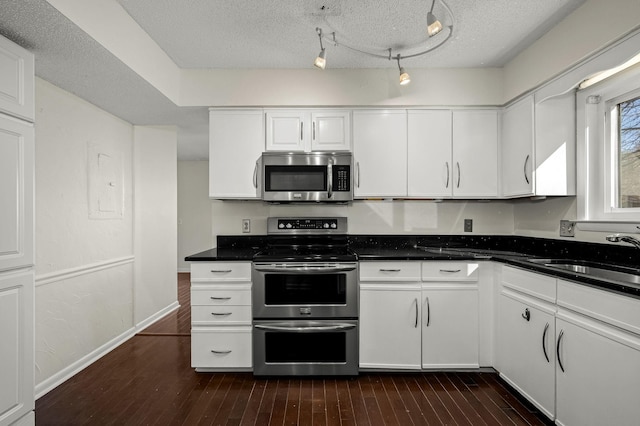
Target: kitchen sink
(628,276)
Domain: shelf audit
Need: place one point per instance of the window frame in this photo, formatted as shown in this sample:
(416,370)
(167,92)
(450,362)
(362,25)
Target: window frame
(597,149)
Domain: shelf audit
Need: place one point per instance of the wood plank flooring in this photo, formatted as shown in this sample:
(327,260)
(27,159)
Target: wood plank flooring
(148,380)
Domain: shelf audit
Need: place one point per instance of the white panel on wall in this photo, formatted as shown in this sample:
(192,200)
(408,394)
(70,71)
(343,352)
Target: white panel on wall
(106,182)
(9,192)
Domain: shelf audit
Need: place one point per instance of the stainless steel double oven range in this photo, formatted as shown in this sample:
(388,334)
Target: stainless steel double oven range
(305,299)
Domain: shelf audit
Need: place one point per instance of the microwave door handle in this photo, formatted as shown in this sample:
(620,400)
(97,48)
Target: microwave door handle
(330,179)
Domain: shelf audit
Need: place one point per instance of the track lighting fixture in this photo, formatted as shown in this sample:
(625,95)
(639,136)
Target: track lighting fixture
(405,78)
(434,27)
(321,60)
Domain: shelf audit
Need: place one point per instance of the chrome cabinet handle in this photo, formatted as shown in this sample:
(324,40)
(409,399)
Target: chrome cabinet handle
(219,298)
(527,314)
(221,271)
(450,271)
(526,160)
(357,174)
(330,178)
(220,314)
(447,184)
(544,341)
(314,131)
(220,352)
(558,350)
(255,176)
(390,270)
(428,311)
(416,323)
(301,130)
(458,165)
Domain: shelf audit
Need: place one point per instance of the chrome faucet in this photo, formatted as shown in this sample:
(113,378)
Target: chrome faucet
(616,238)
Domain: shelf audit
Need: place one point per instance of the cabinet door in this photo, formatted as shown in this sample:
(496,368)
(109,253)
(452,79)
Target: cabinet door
(331,131)
(429,154)
(16,350)
(597,374)
(390,326)
(475,153)
(16,80)
(380,153)
(286,130)
(525,353)
(16,193)
(450,326)
(555,131)
(236,142)
(517,148)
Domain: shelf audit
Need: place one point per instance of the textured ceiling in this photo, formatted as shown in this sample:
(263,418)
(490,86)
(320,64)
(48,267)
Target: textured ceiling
(281,34)
(263,34)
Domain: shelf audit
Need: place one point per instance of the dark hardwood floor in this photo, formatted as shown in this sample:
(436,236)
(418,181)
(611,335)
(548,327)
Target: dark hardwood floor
(148,380)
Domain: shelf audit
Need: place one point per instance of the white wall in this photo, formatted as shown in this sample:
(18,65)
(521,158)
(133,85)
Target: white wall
(84,267)
(194,210)
(156,241)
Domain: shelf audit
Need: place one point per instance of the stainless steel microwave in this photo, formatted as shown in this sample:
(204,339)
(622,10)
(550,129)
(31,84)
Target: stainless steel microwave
(306,177)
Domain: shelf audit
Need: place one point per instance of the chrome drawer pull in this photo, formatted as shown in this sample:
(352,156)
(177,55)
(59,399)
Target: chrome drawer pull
(220,314)
(450,271)
(220,352)
(390,270)
(221,271)
(220,298)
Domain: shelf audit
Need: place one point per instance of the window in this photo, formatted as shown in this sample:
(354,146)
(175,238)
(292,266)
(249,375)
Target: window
(627,142)
(608,119)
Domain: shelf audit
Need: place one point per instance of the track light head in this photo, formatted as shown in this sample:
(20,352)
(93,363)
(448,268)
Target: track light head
(405,78)
(433,25)
(320,61)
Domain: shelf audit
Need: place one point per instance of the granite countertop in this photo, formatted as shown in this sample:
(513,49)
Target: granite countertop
(511,250)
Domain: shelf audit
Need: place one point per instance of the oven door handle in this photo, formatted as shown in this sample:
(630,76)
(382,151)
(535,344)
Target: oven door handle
(324,269)
(306,328)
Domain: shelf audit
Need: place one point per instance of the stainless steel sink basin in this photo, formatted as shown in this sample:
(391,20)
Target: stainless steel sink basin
(597,270)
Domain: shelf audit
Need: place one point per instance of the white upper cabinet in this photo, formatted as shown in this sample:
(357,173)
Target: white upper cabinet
(517,148)
(236,142)
(16,81)
(305,131)
(380,153)
(555,136)
(475,153)
(429,154)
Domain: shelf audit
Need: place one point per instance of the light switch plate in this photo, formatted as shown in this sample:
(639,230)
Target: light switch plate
(567,228)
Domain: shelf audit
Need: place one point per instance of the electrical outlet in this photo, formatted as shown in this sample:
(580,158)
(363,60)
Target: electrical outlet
(567,228)
(468,225)
(246,225)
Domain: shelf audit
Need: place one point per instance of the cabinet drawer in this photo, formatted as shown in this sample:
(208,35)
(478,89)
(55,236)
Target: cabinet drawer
(389,271)
(222,315)
(615,309)
(537,285)
(221,348)
(449,271)
(205,296)
(221,271)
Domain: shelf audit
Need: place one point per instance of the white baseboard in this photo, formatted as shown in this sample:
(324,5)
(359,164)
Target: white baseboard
(65,374)
(157,316)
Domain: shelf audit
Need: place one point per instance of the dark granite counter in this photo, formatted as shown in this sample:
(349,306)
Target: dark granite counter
(512,250)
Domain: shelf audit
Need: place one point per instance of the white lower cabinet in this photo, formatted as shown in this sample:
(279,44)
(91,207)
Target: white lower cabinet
(390,315)
(525,347)
(221,316)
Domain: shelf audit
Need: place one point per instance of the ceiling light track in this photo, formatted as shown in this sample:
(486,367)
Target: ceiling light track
(433,27)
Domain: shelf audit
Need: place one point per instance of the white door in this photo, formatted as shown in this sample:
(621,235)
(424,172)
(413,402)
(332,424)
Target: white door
(331,131)
(390,327)
(517,148)
(430,170)
(597,374)
(380,153)
(475,153)
(450,326)
(236,142)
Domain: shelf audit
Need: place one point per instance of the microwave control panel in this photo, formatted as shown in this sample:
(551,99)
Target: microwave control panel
(341,178)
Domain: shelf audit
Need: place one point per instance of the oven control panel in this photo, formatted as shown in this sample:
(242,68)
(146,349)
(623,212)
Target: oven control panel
(307,225)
